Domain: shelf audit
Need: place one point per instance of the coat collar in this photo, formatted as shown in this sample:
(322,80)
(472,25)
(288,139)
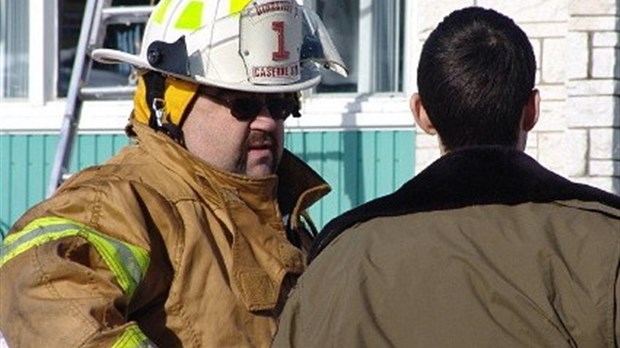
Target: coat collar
(260,261)
(296,184)
(467,177)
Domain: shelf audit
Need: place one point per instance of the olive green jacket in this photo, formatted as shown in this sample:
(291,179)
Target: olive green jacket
(155,247)
(484,248)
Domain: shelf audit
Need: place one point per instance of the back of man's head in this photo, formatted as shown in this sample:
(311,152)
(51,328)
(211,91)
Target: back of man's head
(476,73)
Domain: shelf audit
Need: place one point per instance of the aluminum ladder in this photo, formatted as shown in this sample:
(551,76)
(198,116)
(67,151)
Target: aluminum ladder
(98,14)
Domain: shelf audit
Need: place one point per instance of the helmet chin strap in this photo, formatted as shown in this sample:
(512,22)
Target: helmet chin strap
(155,87)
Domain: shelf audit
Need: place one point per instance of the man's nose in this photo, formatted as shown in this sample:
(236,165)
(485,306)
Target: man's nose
(265,121)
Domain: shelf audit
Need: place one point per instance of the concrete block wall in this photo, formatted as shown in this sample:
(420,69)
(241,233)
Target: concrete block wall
(593,93)
(577,48)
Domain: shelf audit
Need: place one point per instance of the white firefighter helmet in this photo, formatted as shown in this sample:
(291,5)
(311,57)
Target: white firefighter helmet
(247,45)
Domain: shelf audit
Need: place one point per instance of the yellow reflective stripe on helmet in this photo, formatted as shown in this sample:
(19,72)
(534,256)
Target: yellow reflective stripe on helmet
(191,17)
(238,5)
(127,262)
(160,11)
(133,337)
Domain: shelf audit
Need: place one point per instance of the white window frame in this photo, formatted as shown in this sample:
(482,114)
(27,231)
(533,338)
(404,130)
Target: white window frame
(42,51)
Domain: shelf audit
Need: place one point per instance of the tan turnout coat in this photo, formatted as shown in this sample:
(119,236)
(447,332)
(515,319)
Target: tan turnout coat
(202,256)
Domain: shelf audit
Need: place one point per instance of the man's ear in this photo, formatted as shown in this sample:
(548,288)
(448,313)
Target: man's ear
(531,111)
(420,115)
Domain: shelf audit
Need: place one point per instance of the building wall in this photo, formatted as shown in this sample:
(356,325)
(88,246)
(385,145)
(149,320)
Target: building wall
(577,47)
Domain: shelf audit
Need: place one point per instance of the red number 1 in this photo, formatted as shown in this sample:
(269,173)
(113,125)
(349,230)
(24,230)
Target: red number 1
(281,53)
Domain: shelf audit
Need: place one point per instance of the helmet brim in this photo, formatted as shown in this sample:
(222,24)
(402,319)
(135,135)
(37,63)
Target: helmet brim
(310,77)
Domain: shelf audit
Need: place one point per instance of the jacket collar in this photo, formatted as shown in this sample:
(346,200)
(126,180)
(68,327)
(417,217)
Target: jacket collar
(297,185)
(260,261)
(472,176)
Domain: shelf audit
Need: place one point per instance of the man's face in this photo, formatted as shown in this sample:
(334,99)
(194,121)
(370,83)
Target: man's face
(236,131)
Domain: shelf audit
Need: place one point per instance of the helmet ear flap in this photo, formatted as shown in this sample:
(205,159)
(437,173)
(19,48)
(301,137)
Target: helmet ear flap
(171,57)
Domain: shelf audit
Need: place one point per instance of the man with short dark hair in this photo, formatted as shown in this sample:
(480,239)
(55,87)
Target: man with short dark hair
(485,247)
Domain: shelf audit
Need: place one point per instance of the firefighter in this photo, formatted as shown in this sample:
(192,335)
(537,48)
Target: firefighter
(192,235)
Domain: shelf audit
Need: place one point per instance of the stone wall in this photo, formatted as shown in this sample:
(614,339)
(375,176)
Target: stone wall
(577,47)
(593,93)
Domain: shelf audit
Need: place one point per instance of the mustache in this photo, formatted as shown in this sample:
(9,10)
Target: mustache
(258,139)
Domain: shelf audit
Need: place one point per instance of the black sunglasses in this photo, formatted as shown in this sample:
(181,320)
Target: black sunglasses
(246,107)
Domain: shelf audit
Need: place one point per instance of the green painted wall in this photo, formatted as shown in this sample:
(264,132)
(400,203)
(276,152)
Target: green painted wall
(360,165)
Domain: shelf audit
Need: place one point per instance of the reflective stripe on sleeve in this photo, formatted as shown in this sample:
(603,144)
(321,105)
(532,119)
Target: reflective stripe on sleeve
(133,337)
(126,261)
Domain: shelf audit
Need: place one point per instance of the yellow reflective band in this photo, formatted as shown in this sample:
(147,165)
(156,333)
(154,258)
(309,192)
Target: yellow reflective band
(160,11)
(133,337)
(191,17)
(127,262)
(238,5)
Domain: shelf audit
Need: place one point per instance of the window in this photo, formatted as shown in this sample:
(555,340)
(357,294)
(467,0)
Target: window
(124,37)
(13,49)
(369,35)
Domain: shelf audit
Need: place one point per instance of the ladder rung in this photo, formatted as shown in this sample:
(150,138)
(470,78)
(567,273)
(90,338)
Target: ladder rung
(126,14)
(107,93)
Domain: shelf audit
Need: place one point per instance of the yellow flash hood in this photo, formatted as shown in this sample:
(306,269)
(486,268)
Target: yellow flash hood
(178,95)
